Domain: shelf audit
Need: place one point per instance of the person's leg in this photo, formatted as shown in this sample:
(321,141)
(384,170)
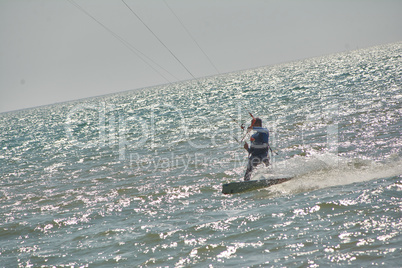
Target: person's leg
(253,161)
(265,160)
(248,170)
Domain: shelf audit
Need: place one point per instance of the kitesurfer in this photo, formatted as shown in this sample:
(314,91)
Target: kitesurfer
(258,149)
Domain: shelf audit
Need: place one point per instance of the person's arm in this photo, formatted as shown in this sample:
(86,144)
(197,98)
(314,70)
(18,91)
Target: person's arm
(246,146)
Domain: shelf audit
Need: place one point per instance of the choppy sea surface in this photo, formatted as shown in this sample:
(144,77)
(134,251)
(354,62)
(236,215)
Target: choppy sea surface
(134,179)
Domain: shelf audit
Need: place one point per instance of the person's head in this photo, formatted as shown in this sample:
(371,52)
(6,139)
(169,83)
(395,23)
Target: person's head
(257,123)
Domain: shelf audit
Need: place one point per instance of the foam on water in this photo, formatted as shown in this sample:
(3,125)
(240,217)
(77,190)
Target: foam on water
(327,170)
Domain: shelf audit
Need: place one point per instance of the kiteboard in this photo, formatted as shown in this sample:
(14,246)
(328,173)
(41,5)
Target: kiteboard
(243,186)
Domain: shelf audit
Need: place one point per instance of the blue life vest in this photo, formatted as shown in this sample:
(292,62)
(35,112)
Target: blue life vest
(259,142)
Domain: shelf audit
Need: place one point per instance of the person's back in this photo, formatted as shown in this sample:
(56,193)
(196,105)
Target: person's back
(259,141)
(258,150)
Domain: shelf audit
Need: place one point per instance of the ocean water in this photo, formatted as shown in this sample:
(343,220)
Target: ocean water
(134,179)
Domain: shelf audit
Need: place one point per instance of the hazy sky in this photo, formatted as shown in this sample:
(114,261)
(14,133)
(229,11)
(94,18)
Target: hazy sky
(51,51)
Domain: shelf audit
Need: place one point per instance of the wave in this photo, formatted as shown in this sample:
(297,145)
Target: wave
(324,170)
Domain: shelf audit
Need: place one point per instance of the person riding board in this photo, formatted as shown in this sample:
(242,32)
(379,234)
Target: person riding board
(258,149)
